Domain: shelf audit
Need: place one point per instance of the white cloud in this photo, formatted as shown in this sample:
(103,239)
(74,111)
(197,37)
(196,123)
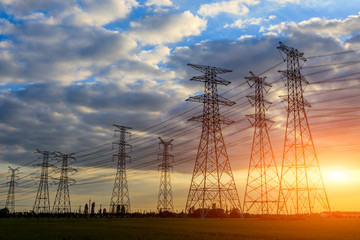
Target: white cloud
(321,26)
(249,21)
(166,29)
(155,56)
(284,1)
(99,12)
(274,34)
(243,23)
(243,37)
(272,17)
(159,3)
(236,7)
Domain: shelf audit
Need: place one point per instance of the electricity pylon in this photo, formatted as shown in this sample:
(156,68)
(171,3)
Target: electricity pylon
(165,198)
(262,186)
(212,185)
(62,200)
(42,200)
(302,189)
(120,200)
(10,200)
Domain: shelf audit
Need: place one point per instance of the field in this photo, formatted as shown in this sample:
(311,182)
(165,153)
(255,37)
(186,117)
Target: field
(171,228)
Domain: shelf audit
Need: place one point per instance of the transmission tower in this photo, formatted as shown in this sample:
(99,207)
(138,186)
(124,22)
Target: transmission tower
(10,200)
(302,189)
(165,199)
(212,185)
(262,186)
(42,200)
(120,200)
(62,199)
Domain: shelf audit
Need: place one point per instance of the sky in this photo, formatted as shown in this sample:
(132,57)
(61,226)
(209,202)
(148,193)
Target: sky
(70,69)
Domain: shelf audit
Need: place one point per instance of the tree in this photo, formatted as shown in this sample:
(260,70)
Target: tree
(86,209)
(93,208)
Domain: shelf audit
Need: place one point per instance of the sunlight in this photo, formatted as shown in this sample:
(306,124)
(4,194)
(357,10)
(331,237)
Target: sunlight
(337,175)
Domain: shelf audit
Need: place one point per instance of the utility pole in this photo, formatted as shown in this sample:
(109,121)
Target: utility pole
(165,198)
(262,186)
(10,200)
(62,200)
(120,200)
(301,185)
(212,185)
(42,200)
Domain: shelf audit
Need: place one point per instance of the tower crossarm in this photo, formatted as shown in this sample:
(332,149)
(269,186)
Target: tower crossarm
(257,80)
(259,117)
(254,98)
(206,78)
(205,98)
(291,52)
(201,118)
(204,69)
(292,72)
(285,98)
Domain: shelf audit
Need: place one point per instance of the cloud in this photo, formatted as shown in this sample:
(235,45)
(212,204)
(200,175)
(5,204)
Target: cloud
(154,56)
(82,12)
(163,29)
(324,27)
(249,21)
(244,23)
(99,12)
(236,7)
(285,1)
(353,42)
(22,9)
(40,52)
(159,3)
(67,118)
(245,37)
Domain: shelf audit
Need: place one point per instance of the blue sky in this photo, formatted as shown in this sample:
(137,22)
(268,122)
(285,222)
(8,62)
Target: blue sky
(70,69)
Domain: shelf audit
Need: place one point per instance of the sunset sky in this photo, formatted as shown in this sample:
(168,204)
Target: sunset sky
(70,69)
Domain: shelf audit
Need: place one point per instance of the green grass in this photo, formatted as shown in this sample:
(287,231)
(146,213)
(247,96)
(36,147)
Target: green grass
(171,228)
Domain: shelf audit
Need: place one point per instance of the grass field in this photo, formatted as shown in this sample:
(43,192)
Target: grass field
(171,228)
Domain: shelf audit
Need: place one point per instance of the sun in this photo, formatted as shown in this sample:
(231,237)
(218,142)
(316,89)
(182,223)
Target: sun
(336,175)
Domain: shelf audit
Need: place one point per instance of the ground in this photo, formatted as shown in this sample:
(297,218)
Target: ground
(178,228)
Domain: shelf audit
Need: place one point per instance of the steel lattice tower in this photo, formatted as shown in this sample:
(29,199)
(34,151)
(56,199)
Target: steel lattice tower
(302,189)
(262,186)
(165,198)
(10,200)
(42,200)
(212,185)
(120,196)
(62,200)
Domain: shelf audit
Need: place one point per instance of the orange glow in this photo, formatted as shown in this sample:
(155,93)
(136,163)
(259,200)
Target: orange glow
(337,175)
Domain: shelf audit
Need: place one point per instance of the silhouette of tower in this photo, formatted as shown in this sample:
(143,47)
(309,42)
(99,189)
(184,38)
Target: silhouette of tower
(10,200)
(62,200)
(42,200)
(120,200)
(212,185)
(302,189)
(165,199)
(262,186)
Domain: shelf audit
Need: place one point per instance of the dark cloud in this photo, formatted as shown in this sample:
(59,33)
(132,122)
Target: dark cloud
(24,8)
(41,52)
